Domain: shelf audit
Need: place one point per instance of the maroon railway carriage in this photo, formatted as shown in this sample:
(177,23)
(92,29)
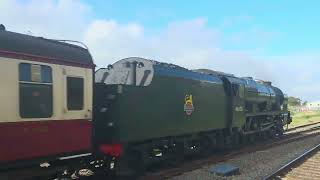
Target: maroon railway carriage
(45,99)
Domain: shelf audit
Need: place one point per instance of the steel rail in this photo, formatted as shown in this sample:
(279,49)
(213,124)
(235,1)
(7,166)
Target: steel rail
(302,126)
(215,158)
(292,163)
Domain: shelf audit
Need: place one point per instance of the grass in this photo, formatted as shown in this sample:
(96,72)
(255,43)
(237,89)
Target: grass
(302,118)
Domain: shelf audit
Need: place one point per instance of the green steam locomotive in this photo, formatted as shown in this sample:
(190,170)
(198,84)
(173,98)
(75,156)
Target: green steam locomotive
(147,111)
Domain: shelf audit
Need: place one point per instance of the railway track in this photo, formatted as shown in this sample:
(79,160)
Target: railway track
(304,167)
(315,124)
(190,165)
(58,168)
(195,163)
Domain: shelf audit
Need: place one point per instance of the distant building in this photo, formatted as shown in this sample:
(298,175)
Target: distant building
(313,106)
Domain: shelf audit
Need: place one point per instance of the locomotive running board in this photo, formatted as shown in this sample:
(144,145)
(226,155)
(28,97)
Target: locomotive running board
(265,113)
(259,130)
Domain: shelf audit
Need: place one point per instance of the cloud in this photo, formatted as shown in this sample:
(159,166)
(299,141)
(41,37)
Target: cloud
(297,74)
(187,43)
(255,36)
(108,41)
(48,18)
(191,43)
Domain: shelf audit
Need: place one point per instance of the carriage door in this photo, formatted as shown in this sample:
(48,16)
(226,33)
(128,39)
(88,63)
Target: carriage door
(238,104)
(77,91)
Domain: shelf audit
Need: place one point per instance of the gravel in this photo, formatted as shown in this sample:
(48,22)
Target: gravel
(258,164)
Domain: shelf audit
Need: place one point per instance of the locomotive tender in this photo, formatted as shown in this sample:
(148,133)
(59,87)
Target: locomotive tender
(146,111)
(46,100)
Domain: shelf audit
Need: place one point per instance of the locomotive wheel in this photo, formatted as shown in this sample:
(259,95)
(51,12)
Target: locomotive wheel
(236,140)
(280,131)
(177,155)
(137,163)
(243,140)
(206,147)
(252,138)
(272,133)
(264,136)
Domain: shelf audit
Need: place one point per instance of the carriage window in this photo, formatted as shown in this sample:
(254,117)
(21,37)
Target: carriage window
(35,89)
(75,93)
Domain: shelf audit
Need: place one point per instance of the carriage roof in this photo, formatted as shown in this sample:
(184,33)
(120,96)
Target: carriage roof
(23,46)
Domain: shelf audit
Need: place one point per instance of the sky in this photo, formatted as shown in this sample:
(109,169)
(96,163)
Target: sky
(274,40)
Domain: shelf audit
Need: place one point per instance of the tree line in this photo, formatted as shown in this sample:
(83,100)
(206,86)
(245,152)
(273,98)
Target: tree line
(294,101)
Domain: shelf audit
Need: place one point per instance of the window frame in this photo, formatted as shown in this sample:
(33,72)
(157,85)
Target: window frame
(30,82)
(83,93)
